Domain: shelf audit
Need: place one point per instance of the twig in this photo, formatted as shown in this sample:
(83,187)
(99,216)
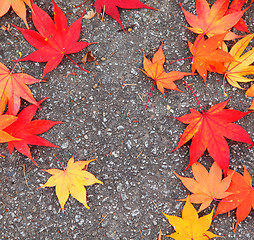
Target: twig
(155,204)
(141,234)
(140,97)
(103,218)
(139,154)
(24,170)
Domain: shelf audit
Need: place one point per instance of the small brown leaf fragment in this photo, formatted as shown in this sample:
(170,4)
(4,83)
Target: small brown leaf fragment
(89,57)
(90,14)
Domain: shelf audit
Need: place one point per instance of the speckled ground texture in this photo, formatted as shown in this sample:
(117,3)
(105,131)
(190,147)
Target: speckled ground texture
(132,145)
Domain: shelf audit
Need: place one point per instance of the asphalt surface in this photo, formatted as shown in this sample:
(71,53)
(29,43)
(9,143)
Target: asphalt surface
(105,117)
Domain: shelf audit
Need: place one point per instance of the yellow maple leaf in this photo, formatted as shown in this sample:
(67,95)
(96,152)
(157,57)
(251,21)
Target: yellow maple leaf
(241,67)
(18,7)
(190,226)
(71,181)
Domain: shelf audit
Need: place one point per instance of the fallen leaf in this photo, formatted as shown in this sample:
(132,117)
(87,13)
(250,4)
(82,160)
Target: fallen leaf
(208,131)
(110,7)
(154,69)
(13,86)
(89,14)
(212,21)
(26,130)
(242,197)
(236,6)
(207,56)
(54,40)
(241,66)
(205,186)
(190,226)
(250,93)
(18,7)
(5,121)
(89,57)
(71,181)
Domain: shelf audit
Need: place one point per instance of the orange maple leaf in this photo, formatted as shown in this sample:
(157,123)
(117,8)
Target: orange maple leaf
(13,87)
(207,186)
(18,7)
(250,93)
(154,69)
(242,197)
(5,121)
(212,21)
(207,56)
(71,181)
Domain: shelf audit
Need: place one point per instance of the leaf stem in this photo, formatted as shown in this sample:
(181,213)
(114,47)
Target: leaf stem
(194,96)
(76,64)
(59,161)
(81,4)
(181,59)
(150,95)
(16,62)
(223,83)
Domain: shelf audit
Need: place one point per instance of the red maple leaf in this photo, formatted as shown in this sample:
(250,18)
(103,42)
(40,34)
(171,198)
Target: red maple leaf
(235,7)
(26,130)
(110,7)
(54,40)
(208,131)
(242,197)
(5,121)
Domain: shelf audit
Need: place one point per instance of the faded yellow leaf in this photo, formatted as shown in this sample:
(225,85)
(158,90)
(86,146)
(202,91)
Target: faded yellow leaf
(71,181)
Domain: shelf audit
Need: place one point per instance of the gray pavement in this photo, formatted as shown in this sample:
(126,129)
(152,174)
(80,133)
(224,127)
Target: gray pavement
(110,122)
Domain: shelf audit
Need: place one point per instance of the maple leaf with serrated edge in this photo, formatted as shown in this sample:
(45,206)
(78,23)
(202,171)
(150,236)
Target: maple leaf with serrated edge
(54,40)
(208,130)
(27,130)
(110,7)
(18,7)
(71,181)
(13,86)
(236,6)
(212,21)
(242,197)
(207,56)
(235,71)
(206,186)
(5,121)
(190,226)
(154,69)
